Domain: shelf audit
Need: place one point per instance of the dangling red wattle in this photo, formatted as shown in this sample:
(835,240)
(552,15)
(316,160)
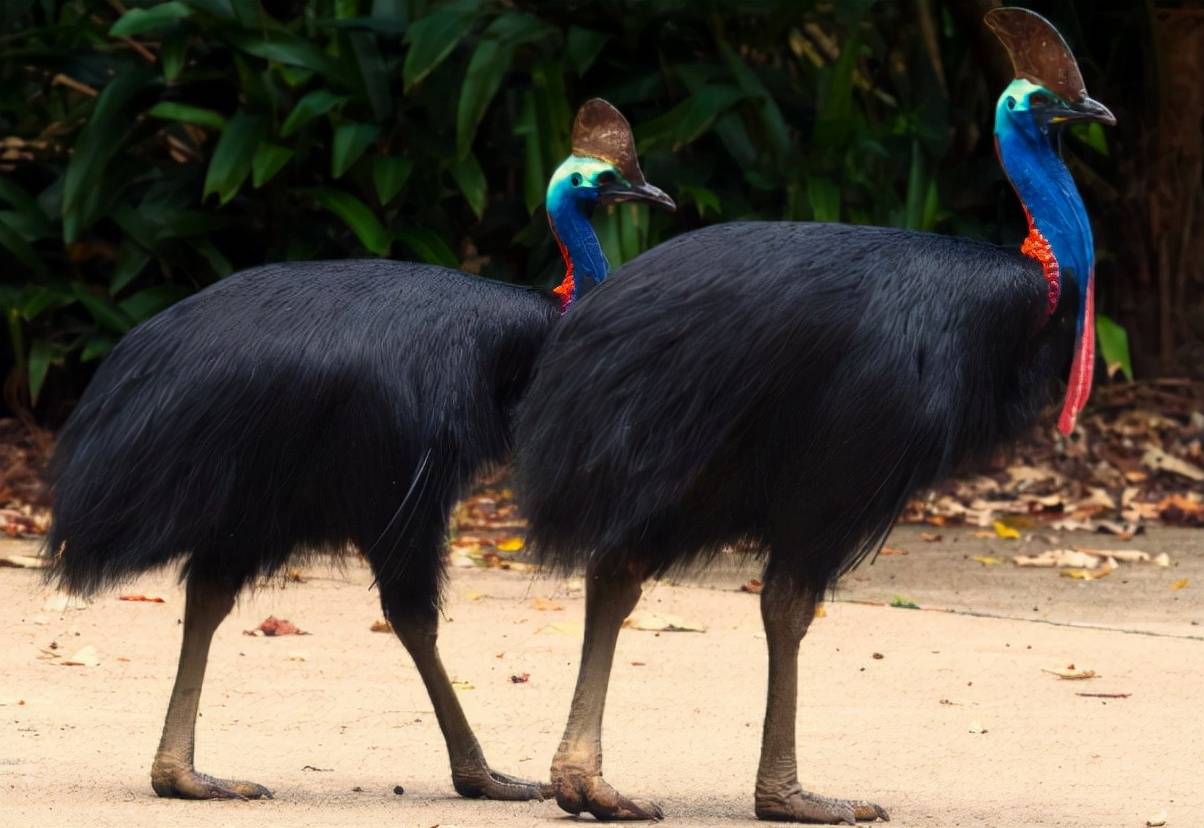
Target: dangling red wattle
(1078,388)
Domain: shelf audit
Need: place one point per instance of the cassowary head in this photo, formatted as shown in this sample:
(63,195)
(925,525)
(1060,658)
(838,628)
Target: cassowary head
(1048,89)
(603,167)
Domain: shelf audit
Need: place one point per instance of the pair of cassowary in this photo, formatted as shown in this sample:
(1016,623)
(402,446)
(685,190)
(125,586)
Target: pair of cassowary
(788,384)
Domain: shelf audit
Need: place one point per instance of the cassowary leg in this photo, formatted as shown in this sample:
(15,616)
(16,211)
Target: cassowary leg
(787,610)
(207,603)
(577,769)
(471,774)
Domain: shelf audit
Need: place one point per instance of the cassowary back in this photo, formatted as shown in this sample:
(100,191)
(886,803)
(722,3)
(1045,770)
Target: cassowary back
(290,406)
(785,383)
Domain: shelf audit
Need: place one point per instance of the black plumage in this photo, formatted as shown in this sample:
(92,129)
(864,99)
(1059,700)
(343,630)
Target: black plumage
(786,384)
(294,407)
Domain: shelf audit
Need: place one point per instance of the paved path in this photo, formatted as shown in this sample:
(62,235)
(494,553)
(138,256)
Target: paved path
(683,719)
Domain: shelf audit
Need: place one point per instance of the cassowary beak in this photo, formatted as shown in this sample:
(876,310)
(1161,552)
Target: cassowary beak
(616,193)
(1088,109)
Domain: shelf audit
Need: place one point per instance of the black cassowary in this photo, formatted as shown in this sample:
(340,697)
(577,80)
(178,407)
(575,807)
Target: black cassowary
(309,407)
(791,385)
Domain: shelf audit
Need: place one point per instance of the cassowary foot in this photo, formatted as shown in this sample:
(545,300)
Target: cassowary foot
(188,784)
(590,792)
(796,805)
(479,782)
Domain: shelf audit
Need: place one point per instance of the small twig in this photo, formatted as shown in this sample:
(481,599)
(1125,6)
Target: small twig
(71,83)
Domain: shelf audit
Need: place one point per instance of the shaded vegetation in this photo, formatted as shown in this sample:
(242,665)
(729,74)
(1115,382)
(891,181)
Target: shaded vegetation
(149,149)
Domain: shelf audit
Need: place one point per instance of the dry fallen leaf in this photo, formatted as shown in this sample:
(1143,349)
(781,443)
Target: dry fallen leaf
(510,545)
(986,560)
(654,622)
(1157,820)
(1004,531)
(85,657)
(930,537)
(1071,673)
(1059,557)
(1159,460)
(889,551)
(1106,567)
(821,611)
(273,627)
(147,599)
(24,561)
(1182,583)
(1161,559)
(381,626)
(1125,555)
(752,585)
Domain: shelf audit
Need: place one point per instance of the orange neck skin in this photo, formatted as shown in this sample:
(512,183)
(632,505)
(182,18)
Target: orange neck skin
(1037,247)
(564,290)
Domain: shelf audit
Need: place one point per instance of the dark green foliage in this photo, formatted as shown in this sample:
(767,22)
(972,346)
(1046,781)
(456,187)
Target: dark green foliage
(153,152)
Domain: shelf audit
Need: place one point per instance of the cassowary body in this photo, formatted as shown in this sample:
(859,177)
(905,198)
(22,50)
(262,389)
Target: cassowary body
(791,385)
(309,407)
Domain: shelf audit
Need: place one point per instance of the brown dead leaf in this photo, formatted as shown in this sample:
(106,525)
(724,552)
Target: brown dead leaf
(1159,460)
(85,657)
(1059,558)
(381,626)
(146,599)
(1071,673)
(655,622)
(889,551)
(930,537)
(752,585)
(273,627)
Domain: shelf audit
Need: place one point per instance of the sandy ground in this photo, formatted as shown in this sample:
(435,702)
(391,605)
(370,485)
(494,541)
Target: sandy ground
(956,724)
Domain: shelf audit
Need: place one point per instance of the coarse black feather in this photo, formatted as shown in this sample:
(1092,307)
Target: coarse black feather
(786,384)
(293,407)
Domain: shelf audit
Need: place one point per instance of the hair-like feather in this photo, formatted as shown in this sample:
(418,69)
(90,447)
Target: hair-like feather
(789,384)
(291,407)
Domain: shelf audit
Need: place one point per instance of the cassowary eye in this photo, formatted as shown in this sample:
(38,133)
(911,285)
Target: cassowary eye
(575,180)
(1037,99)
(1011,103)
(605,177)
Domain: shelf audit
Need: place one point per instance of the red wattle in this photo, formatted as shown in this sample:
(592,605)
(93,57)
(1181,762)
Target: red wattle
(1078,388)
(564,290)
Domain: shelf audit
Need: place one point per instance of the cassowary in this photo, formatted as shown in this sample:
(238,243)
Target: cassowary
(308,407)
(790,385)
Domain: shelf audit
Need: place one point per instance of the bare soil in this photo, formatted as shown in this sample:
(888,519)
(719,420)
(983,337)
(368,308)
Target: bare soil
(956,724)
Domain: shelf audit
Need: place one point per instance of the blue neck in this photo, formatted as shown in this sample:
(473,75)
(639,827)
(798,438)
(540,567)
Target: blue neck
(1045,187)
(578,244)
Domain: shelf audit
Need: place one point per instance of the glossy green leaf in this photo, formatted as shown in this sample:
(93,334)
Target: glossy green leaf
(267,161)
(97,346)
(824,197)
(316,103)
(286,48)
(373,73)
(131,260)
(428,246)
(389,176)
(471,180)
(153,19)
(173,55)
(98,142)
(34,223)
(220,9)
(41,352)
(432,38)
(350,141)
(103,310)
(488,67)
(20,249)
(1114,347)
(1091,134)
(188,114)
(232,156)
(704,199)
(582,47)
(356,215)
(146,303)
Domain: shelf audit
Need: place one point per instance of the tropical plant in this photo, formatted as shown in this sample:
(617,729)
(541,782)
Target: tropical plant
(153,148)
